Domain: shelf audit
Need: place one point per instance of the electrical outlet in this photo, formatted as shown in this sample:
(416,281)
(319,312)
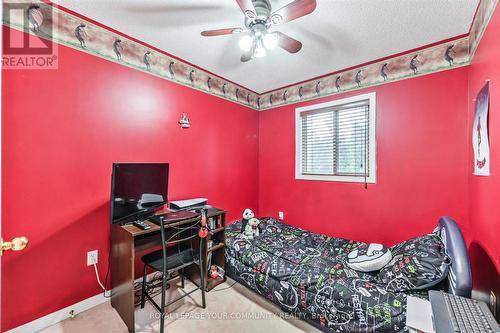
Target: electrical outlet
(281,215)
(92,257)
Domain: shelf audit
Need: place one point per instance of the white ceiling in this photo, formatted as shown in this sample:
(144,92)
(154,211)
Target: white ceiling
(337,35)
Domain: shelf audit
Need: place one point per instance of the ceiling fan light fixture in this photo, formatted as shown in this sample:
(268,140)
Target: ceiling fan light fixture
(256,39)
(246,43)
(260,50)
(270,41)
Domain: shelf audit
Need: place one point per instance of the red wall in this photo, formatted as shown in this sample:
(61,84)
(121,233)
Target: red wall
(421,161)
(484,191)
(63,128)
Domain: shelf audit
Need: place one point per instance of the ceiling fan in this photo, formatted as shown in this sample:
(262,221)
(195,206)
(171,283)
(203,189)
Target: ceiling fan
(258,20)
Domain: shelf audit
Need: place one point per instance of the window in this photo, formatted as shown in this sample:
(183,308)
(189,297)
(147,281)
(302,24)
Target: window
(335,141)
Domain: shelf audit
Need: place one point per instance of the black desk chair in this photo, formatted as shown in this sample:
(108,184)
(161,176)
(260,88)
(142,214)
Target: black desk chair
(174,256)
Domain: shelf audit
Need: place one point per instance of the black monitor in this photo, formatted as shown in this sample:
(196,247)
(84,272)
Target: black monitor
(137,189)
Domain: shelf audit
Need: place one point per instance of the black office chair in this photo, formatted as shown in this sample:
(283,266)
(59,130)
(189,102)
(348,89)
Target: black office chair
(174,256)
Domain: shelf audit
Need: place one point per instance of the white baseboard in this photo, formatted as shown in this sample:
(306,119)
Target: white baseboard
(58,316)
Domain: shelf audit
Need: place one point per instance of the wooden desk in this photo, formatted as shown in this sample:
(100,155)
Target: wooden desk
(125,242)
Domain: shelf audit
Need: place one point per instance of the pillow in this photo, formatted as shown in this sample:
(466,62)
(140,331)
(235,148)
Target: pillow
(417,264)
(369,257)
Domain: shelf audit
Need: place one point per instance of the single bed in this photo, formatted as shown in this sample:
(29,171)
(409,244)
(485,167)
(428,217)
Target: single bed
(305,273)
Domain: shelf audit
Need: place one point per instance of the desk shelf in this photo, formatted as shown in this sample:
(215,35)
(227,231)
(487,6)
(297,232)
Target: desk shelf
(213,255)
(213,232)
(213,282)
(215,248)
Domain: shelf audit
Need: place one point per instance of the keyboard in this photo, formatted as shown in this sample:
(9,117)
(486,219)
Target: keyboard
(172,217)
(459,314)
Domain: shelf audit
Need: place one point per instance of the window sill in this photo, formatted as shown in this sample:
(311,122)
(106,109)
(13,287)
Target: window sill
(343,179)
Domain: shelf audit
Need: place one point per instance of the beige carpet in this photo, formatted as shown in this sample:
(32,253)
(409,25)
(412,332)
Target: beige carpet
(231,310)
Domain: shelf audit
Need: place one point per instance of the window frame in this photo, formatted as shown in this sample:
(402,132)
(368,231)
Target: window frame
(372,178)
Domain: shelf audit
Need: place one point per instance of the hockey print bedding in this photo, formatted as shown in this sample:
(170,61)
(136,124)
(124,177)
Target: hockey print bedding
(306,275)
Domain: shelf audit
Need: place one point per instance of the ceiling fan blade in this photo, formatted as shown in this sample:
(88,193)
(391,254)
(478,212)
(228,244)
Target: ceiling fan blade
(292,11)
(247,8)
(247,56)
(288,43)
(219,32)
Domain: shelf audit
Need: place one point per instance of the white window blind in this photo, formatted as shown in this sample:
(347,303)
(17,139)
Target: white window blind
(335,141)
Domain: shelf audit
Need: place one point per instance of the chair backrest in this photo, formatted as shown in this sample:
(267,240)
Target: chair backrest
(178,233)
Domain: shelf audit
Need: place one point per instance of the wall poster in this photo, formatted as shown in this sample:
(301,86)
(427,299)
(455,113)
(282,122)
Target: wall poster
(480,137)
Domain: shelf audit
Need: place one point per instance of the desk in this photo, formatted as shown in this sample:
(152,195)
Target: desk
(125,241)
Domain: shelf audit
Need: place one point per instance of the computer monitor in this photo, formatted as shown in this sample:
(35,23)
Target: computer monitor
(137,189)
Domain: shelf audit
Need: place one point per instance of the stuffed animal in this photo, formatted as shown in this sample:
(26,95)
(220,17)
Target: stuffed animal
(250,224)
(252,228)
(247,215)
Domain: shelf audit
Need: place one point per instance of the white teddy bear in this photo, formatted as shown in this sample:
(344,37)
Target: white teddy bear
(251,224)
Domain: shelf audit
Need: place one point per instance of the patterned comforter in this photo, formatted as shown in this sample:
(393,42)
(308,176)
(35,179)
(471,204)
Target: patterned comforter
(305,273)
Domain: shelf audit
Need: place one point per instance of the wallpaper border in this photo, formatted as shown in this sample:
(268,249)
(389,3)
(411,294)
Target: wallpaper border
(81,34)
(481,19)
(445,56)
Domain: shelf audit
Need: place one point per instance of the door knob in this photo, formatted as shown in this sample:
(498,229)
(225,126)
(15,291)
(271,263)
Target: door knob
(17,244)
